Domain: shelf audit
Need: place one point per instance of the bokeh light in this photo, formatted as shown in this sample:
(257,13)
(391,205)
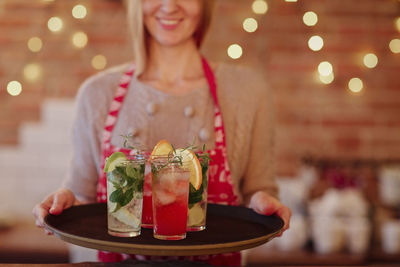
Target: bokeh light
(310,18)
(316,43)
(14,88)
(55,24)
(397,23)
(250,25)
(35,44)
(79,39)
(259,7)
(356,85)
(370,60)
(32,72)
(325,68)
(327,79)
(79,11)
(99,62)
(394,46)
(235,51)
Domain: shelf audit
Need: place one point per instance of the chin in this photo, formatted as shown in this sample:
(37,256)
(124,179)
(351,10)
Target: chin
(171,41)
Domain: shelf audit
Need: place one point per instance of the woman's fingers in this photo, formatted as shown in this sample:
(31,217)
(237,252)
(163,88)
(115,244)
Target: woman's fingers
(285,214)
(63,199)
(265,204)
(53,204)
(41,210)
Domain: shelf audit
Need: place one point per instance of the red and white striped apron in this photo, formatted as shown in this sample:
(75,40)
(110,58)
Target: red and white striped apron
(220,185)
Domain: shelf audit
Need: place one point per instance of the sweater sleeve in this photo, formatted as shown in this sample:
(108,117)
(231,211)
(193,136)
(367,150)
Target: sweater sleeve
(259,173)
(92,105)
(82,176)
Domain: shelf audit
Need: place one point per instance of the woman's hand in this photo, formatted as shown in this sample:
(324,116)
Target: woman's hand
(54,204)
(265,204)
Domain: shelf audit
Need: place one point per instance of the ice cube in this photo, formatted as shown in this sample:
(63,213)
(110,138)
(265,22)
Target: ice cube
(164,197)
(181,187)
(126,217)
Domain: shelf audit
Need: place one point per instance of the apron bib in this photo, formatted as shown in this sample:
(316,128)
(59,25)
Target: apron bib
(220,184)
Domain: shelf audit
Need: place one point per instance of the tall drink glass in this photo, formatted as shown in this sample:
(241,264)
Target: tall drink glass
(147,212)
(198,201)
(125,197)
(170,198)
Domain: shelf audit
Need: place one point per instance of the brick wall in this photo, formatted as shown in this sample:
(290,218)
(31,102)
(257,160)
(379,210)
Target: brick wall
(312,118)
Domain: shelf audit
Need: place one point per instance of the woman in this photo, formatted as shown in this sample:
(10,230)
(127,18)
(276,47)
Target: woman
(173,93)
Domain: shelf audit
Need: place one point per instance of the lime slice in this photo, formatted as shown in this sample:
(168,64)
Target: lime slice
(113,160)
(110,205)
(196,215)
(125,216)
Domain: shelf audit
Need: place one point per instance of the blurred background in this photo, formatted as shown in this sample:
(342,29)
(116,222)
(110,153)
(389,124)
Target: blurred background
(333,66)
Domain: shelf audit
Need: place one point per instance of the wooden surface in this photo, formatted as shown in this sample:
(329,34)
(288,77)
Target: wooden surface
(23,242)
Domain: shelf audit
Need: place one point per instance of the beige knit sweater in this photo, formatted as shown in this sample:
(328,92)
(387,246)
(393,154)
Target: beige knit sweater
(246,106)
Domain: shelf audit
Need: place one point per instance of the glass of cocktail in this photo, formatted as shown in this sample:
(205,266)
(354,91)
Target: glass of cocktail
(170,197)
(125,178)
(147,212)
(198,199)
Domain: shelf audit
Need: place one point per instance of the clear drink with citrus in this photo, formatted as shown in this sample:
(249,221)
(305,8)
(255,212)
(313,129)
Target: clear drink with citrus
(125,178)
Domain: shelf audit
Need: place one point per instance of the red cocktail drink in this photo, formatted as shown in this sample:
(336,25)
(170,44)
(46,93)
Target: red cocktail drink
(170,199)
(147,213)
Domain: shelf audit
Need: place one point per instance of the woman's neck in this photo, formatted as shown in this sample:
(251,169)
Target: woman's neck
(173,64)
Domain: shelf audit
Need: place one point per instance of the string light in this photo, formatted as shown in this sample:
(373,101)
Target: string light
(325,68)
(99,62)
(235,51)
(394,46)
(35,44)
(79,11)
(250,25)
(355,85)
(310,18)
(32,72)
(370,60)
(14,88)
(315,43)
(259,7)
(55,24)
(79,39)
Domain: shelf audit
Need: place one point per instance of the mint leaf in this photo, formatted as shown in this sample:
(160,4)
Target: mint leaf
(117,207)
(195,195)
(127,180)
(117,196)
(127,197)
(131,171)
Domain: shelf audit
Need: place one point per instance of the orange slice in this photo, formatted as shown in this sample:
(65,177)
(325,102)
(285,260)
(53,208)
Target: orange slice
(196,177)
(163,148)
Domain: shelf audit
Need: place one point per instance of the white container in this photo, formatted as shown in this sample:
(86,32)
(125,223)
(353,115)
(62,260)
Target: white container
(391,236)
(389,185)
(295,237)
(358,234)
(328,234)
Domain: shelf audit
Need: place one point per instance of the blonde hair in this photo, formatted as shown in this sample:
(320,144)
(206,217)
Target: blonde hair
(139,35)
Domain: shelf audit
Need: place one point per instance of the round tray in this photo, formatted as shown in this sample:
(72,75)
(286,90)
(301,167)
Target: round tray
(228,229)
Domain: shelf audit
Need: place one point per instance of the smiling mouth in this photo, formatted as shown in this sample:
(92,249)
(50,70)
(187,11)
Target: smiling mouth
(169,21)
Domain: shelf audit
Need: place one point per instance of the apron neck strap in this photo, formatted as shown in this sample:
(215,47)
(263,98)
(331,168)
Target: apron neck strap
(208,72)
